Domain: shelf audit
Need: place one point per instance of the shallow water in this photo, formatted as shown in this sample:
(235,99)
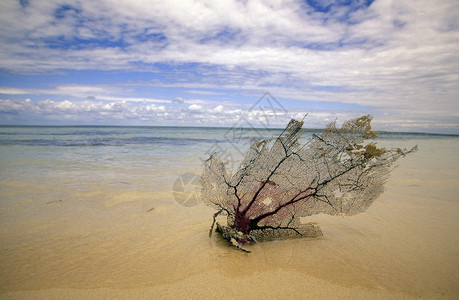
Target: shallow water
(102,217)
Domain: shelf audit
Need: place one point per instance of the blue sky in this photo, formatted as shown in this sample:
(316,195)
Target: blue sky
(205,63)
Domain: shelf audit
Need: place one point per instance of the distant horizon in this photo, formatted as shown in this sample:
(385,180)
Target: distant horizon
(229,127)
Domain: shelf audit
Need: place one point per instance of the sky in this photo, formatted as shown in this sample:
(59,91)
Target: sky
(215,63)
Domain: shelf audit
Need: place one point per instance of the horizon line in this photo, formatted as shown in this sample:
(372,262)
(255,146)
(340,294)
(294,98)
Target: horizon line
(229,127)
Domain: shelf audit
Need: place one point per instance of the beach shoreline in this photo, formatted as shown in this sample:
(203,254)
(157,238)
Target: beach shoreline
(87,223)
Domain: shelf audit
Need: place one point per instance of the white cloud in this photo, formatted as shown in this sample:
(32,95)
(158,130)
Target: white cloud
(195,107)
(399,57)
(178,100)
(46,112)
(88,112)
(90,92)
(218,108)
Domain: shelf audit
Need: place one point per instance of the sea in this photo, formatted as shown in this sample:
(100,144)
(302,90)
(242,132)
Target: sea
(115,212)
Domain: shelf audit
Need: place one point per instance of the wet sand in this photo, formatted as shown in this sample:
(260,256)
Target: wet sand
(93,240)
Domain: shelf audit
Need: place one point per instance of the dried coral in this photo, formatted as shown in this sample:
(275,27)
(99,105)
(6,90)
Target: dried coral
(281,180)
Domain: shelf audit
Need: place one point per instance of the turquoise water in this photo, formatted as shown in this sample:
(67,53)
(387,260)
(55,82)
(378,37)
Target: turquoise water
(140,158)
(116,152)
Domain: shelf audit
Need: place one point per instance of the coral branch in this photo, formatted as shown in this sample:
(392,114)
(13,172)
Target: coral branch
(281,180)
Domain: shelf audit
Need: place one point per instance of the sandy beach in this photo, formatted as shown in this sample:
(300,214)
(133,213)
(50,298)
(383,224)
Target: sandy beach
(215,285)
(100,239)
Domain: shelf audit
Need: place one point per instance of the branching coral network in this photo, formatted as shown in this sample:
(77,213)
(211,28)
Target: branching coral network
(281,180)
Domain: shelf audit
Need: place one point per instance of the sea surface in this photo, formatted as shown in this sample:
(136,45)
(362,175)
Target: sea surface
(115,212)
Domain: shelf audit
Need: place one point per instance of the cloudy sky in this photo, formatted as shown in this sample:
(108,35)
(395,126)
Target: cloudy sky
(207,63)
